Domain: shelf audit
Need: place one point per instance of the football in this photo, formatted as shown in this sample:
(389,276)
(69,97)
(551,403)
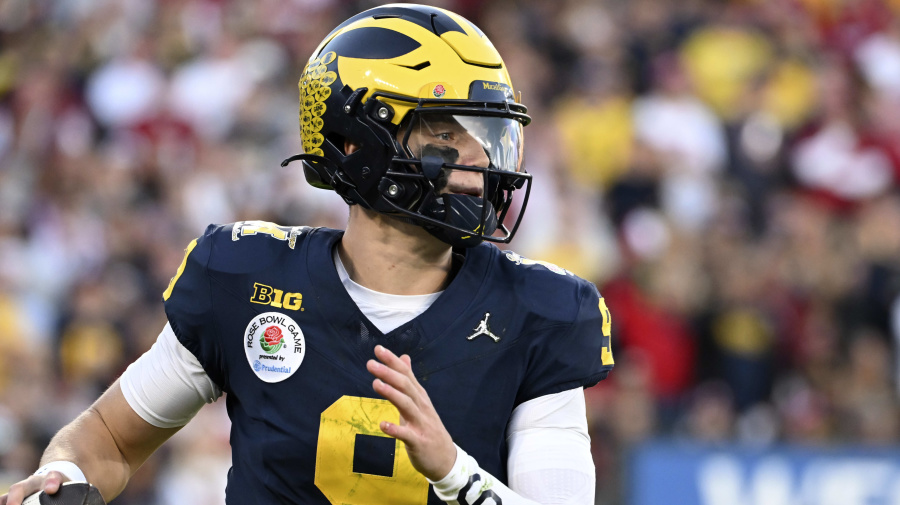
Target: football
(70,493)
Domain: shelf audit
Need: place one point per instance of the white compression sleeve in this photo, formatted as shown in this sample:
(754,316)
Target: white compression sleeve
(166,386)
(549,459)
(550,450)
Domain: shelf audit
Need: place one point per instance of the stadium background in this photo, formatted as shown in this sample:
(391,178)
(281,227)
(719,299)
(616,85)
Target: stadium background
(726,171)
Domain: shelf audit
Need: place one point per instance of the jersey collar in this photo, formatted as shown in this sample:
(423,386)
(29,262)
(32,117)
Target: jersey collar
(336,306)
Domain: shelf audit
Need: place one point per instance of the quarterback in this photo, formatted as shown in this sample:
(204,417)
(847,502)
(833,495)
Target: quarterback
(404,360)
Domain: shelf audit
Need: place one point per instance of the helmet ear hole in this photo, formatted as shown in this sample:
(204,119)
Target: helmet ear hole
(350,147)
(338,141)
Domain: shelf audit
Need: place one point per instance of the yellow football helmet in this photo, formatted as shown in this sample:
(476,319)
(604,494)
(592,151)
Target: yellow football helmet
(405,70)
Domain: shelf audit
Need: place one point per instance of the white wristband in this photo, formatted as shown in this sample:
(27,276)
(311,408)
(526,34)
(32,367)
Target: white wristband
(67,468)
(455,479)
(460,480)
(468,483)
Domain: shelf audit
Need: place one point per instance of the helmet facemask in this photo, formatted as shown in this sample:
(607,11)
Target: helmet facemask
(469,165)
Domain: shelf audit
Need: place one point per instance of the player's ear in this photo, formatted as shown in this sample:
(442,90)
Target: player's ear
(350,147)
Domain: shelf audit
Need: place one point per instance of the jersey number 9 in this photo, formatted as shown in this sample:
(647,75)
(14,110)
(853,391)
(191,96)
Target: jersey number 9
(340,426)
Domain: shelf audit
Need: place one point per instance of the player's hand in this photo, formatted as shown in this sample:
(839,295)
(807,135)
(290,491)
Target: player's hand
(49,483)
(428,443)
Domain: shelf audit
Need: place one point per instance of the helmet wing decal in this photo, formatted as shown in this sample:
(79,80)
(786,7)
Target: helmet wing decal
(430,18)
(373,43)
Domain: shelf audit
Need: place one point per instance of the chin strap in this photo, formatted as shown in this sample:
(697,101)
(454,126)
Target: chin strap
(474,217)
(462,211)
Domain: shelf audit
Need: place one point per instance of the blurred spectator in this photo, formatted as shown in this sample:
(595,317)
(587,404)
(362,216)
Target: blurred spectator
(688,141)
(710,417)
(839,159)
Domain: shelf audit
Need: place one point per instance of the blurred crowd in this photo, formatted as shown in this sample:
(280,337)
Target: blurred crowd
(726,171)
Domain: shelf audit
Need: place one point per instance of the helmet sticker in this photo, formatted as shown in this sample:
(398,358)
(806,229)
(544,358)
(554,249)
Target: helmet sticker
(439,91)
(328,78)
(322,94)
(315,88)
(327,58)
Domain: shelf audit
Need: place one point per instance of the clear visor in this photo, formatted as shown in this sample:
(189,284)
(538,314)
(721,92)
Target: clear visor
(479,141)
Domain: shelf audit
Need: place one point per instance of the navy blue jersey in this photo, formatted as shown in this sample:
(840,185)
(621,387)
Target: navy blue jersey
(264,311)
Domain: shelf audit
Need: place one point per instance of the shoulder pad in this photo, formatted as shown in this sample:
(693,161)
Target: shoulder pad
(288,234)
(547,290)
(247,246)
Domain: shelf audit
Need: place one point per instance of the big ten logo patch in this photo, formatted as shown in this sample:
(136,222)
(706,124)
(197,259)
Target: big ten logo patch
(267,295)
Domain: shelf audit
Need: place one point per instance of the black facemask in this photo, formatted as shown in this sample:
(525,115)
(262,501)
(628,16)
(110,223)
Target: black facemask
(462,211)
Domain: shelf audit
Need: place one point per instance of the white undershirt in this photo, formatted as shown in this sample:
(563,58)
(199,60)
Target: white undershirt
(549,448)
(385,311)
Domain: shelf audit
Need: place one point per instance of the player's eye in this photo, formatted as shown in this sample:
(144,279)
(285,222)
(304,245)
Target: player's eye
(444,136)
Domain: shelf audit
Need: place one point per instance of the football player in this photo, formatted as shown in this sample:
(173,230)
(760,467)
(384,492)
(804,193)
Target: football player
(404,360)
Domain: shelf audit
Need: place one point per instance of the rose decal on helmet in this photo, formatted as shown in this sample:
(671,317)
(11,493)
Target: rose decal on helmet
(272,340)
(439,91)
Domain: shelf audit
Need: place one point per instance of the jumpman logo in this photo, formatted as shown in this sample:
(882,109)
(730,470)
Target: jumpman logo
(483,329)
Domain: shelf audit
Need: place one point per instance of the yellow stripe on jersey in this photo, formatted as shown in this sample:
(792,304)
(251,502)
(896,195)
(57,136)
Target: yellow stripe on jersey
(187,252)
(606,356)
